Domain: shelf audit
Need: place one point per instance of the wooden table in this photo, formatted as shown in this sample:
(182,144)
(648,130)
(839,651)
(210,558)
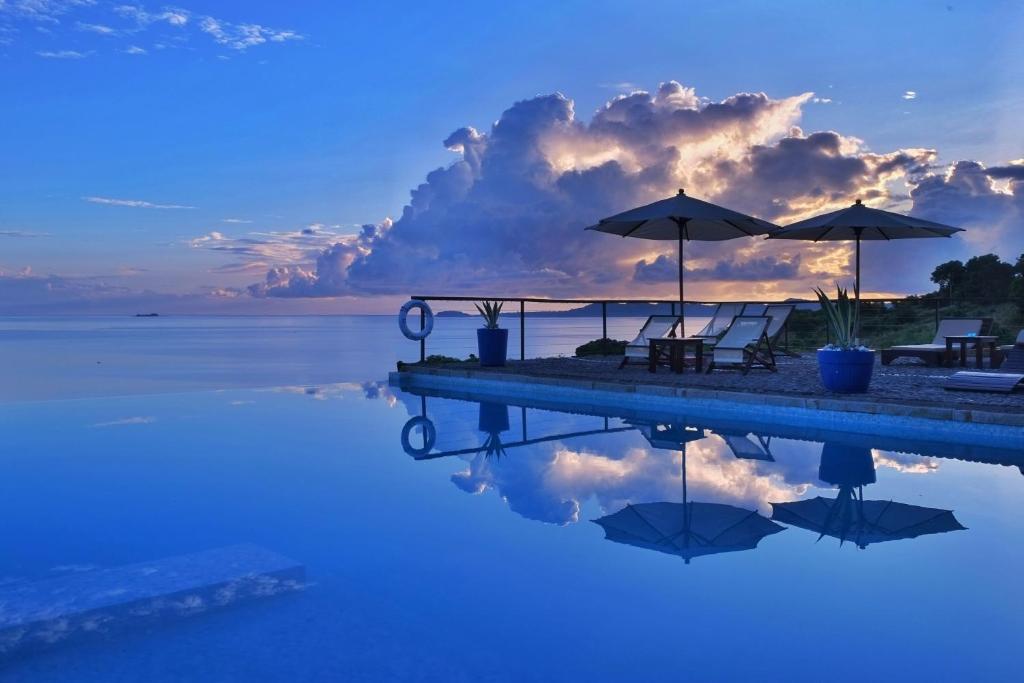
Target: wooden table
(676,348)
(979,341)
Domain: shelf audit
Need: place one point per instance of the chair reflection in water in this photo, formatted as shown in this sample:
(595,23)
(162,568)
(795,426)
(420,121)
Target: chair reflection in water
(688,529)
(848,517)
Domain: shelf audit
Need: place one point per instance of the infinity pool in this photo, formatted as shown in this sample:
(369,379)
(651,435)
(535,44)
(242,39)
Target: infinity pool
(356,532)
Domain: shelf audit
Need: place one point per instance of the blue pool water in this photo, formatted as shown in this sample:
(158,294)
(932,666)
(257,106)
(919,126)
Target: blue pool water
(473,556)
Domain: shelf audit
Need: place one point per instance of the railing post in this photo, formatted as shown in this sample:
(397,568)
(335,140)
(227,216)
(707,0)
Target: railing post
(522,330)
(604,320)
(423,342)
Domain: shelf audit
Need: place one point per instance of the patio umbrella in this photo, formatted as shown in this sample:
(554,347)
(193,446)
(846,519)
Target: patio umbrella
(687,529)
(682,218)
(849,517)
(859,222)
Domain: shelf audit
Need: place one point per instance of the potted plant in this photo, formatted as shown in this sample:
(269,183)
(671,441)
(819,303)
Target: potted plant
(845,364)
(492,341)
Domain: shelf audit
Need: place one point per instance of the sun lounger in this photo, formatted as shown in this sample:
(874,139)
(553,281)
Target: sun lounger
(779,313)
(656,327)
(744,345)
(1012,355)
(997,382)
(753,309)
(742,447)
(719,323)
(935,353)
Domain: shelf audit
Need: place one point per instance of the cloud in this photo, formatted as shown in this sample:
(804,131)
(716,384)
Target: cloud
(171,16)
(909,95)
(63,54)
(100,29)
(509,213)
(22,234)
(126,421)
(234,220)
(47,11)
(173,25)
(134,203)
(244,36)
(989,202)
(666,269)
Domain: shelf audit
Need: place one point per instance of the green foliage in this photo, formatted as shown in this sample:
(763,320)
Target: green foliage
(841,316)
(490,310)
(439,359)
(602,347)
(949,276)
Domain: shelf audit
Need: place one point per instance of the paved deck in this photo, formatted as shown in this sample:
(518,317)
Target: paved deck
(903,388)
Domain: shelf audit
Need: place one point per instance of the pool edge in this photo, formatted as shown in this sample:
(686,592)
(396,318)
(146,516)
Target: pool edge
(949,424)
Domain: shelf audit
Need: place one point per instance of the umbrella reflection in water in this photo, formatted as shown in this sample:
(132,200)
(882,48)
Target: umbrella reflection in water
(849,517)
(687,529)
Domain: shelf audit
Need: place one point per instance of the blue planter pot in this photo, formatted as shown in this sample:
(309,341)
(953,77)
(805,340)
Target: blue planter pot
(493,418)
(493,346)
(846,372)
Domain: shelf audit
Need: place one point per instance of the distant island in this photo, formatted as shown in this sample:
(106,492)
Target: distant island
(147,315)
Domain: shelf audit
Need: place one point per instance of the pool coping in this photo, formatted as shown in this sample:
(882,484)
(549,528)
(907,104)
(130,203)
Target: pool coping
(996,428)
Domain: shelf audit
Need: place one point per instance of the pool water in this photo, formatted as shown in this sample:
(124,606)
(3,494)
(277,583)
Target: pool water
(445,539)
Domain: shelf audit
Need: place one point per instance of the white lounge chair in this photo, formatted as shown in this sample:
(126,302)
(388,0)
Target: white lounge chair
(719,323)
(744,345)
(1012,355)
(935,353)
(742,447)
(998,382)
(754,309)
(656,327)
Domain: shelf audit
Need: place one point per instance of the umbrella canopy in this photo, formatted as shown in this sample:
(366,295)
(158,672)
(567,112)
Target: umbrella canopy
(683,218)
(859,222)
(687,529)
(863,522)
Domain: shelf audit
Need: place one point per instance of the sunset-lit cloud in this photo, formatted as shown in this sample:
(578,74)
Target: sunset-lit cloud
(510,211)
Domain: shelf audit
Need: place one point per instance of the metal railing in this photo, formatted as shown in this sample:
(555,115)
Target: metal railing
(884,319)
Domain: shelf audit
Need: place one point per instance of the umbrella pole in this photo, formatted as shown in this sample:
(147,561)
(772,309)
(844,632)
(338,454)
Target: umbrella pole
(682,299)
(856,292)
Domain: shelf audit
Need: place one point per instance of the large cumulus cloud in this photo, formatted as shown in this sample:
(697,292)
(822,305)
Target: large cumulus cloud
(508,215)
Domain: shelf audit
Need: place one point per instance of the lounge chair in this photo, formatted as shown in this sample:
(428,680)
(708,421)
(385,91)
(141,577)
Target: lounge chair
(779,313)
(744,345)
(656,327)
(935,353)
(997,382)
(754,309)
(1012,356)
(742,447)
(719,323)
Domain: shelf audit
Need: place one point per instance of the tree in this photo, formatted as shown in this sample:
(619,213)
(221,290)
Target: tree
(987,278)
(1017,288)
(949,276)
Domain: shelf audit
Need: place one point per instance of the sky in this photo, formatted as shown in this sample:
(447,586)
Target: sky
(324,157)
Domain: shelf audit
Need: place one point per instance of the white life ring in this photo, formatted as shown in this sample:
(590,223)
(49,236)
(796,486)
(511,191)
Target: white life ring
(429,436)
(428,319)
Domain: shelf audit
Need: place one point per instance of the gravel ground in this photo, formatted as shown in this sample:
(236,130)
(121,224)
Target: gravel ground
(904,381)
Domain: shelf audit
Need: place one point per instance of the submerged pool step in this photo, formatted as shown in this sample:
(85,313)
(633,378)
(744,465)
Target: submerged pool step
(43,613)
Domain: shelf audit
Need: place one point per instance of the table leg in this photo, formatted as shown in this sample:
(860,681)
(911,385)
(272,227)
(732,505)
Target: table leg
(698,357)
(948,360)
(963,354)
(675,359)
(978,355)
(652,358)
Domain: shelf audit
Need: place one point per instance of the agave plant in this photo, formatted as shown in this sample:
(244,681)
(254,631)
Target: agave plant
(490,310)
(842,318)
